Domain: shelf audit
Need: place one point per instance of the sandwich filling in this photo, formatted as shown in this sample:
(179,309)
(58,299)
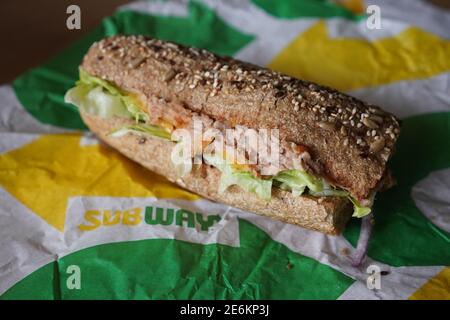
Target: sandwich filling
(296,171)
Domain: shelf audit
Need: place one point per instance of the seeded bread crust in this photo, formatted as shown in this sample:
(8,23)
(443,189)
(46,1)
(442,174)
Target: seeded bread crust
(325,214)
(351,140)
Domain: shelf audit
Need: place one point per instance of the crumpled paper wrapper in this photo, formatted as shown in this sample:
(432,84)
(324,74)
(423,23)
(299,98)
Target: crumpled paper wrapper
(78,220)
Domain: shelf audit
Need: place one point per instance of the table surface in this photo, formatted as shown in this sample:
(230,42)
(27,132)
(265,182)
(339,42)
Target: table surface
(36,30)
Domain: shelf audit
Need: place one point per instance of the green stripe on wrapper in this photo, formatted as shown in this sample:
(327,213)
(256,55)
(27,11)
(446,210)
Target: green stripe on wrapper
(305,8)
(259,268)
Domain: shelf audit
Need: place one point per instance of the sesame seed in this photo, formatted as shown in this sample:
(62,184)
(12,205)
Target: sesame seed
(369,123)
(171,45)
(376,146)
(194,51)
(169,75)
(375,111)
(326,125)
(377,119)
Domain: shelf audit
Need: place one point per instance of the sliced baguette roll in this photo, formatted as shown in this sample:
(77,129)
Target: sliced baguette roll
(324,214)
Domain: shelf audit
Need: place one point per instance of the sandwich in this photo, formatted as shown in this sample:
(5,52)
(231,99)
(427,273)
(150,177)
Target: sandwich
(319,158)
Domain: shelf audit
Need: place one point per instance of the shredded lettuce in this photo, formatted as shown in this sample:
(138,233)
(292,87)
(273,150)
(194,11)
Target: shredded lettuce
(297,181)
(247,181)
(244,179)
(95,101)
(87,79)
(328,191)
(358,210)
(141,129)
(295,191)
(101,98)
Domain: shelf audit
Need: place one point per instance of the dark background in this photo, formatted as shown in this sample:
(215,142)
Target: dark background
(34,30)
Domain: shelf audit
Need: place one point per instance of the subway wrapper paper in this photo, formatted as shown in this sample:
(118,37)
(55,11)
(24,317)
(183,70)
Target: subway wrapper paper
(80,221)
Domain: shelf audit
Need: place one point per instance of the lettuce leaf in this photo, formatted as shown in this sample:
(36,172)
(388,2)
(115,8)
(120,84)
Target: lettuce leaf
(329,191)
(101,98)
(298,180)
(358,210)
(95,101)
(244,179)
(141,129)
(247,181)
(87,79)
(295,181)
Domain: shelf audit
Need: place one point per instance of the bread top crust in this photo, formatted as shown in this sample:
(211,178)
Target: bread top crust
(352,140)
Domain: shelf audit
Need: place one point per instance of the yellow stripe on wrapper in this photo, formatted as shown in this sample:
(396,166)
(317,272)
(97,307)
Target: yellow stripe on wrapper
(45,173)
(347,64)
(437,288)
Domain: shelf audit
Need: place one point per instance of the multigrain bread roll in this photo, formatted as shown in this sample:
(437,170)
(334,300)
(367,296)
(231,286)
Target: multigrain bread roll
(334,140)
